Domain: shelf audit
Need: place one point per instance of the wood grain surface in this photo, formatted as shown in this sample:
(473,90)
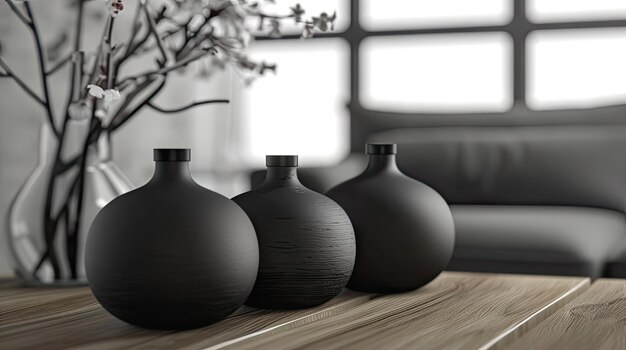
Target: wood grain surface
(71,318)
(457,310)
(594,320)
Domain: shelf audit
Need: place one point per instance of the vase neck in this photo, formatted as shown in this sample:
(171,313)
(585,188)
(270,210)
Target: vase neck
(281,177)
(382,163)
(171,171)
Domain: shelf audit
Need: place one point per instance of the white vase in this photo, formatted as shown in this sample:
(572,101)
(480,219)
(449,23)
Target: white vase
(102,183)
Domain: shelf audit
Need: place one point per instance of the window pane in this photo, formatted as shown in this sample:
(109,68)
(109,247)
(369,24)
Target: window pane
(397,14)
(574,10)
(311,7)
(576,68)
(439,73)
(302,108)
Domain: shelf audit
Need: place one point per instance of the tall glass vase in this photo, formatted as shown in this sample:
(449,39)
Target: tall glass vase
(103,181)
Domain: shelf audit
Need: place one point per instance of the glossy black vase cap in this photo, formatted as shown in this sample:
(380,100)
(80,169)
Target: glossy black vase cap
(172,154)
(381,148)
(286,161)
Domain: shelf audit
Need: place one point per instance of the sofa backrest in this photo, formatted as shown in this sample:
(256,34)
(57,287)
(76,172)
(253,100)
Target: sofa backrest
(547,165)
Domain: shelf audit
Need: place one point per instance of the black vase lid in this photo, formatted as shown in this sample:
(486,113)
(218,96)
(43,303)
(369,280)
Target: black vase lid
(286,161)
(172,154)
(381,148)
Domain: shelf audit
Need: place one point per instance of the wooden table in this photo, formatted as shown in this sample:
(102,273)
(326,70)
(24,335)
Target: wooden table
(457,310)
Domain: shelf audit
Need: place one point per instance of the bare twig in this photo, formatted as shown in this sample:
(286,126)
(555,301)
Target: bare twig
(76,77)
(155,33)
(135,29)
(133,45)
(188,39)
(165,70)
(73,231)
(130,50)
(108,60)
(42,68)
(183,108)
(18,12)
(96,63)
(51,223)
(122,118)
(77,72)
(129,98)
(62,62)
(19,81)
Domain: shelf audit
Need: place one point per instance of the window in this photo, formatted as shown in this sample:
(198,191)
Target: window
(542,11)
(399,14)
(576,68)
(422,57)
(437,73)
(302,108)
(455,56)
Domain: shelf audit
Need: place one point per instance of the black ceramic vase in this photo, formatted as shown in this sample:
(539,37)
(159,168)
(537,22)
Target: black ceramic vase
(171,254)
(404,229)
(306,241)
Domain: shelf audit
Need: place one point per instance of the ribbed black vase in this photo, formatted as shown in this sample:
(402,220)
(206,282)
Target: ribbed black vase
(306,241)
(404,229)
(171,254)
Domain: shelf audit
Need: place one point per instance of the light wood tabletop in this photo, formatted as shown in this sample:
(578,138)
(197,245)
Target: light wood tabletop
(594,320)
(457,310)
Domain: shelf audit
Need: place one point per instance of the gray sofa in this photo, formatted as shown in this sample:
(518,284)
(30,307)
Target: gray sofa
(537,200)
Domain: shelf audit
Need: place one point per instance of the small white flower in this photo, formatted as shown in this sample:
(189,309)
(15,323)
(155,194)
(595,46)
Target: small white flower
(95,91)
(111,95)
(108,95)
(114,7)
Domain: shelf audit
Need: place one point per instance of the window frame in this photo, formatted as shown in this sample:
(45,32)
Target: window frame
(366,121)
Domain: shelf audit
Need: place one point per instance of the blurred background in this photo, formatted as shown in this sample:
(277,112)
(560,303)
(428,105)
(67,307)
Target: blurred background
(397,63)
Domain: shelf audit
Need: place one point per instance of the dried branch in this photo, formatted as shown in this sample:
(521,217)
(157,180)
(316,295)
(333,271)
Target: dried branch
(51,223)
(42,69)
(18,12)
(72,233)
(109,54)
(122,118)
(129,97)
(136,27)
(165,70)
(189,39)
(132,47)
(153,29)
(183,108)
(9,73)
(96,64)
(62,62)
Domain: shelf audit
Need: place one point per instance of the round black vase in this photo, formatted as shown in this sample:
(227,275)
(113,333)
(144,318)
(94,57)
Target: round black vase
(306,241)
(404,229)
(171,254)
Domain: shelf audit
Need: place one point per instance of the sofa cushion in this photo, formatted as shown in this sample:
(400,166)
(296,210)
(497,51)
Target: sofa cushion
(547,165)
(617,266)
(536,239)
